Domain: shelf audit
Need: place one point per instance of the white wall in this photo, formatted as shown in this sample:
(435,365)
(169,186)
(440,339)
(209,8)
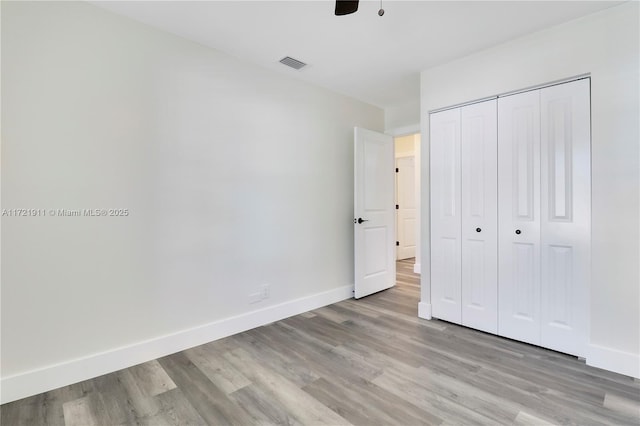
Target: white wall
(234,177)
(402,119)
(606,45)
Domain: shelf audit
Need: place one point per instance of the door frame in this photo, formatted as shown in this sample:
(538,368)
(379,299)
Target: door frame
(413,131)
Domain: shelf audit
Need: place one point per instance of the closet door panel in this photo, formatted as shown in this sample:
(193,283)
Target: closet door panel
(565,218)
(479,216)
(445,215)
(519,216)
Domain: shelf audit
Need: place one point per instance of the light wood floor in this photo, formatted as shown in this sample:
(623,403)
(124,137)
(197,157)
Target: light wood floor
(365,362)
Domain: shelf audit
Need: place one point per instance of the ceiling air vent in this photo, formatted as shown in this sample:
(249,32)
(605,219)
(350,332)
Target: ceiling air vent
(293,63)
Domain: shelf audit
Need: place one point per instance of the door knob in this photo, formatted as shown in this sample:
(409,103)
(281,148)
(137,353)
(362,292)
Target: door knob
(478,230)
(518,231)
(360,220)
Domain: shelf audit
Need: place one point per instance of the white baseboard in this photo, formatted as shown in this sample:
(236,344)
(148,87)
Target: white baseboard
(416,268)
(614,360)
(424,310)
(54,376)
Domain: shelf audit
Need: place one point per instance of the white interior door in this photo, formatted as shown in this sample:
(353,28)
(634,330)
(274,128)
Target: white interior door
(445,215)
(565,219)
(374,212)
(519,213)
(479,202)
(405,207)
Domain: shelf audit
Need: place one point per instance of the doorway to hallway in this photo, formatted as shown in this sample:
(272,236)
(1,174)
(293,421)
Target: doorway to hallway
(407,196)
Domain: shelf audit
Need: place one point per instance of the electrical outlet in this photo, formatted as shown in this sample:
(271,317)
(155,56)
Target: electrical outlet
(265,289)
(263,292)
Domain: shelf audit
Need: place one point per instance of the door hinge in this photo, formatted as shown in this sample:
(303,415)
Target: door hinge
(397,207)
(397,243)
(397,170)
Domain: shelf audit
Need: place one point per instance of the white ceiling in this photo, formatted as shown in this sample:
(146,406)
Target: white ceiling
(371,58)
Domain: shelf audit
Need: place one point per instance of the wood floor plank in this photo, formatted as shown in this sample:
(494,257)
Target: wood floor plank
(44,409)
(450,411)
(324,361)
(331,315)
(304,408)
(114,403)
(525,419)
(217,369)
(79,413)
(286,363)
(102,410)
(353,307)
(151,378)
(376,407)
(416,385)
(622,404)
(541,401)
(176,410)
(211,403)
(52,403)
(264,406)
(141,403)
(32,411)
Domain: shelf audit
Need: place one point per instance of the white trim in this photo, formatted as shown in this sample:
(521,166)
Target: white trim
(626,363)
(475,101)
(548,84)
(416,268)
(54,376)
(514,92)
(424,310)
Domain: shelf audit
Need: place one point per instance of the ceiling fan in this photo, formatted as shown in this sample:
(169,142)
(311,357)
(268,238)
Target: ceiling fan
(346,7)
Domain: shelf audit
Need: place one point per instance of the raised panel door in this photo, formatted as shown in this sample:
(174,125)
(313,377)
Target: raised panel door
(565,219)
(374,224)
(445,215)
(479,239)
(519,216)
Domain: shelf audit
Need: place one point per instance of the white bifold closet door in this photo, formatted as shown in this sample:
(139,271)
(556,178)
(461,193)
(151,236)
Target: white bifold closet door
(464,215)
(445,215)
(544,197)
(565,222)
(479,195)
(519,213)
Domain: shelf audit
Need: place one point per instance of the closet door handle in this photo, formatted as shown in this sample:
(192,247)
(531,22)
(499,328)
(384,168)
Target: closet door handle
(518,231)
(478,230)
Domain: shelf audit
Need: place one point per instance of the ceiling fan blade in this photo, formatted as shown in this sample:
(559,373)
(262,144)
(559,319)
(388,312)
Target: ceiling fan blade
(345,7)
